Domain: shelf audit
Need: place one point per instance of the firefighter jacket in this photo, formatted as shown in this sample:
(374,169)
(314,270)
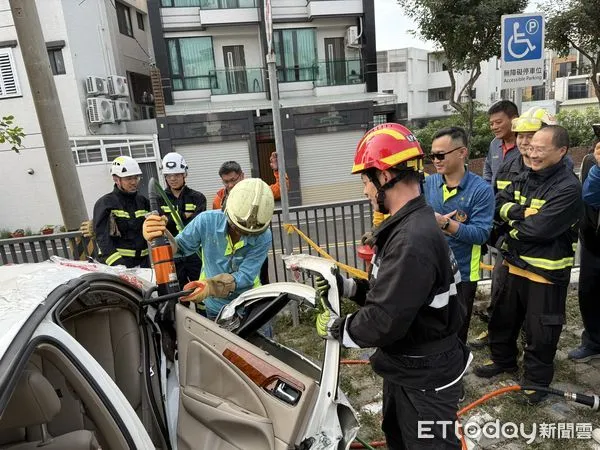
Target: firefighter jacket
(589,231)
(508,171)
(188,205)
(118,219)
(542,210)
(410,310)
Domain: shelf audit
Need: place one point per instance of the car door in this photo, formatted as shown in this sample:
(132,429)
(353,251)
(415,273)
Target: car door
(235,394)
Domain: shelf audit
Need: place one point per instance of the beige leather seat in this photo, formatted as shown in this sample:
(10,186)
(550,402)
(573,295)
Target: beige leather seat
(112,337)
(34,403)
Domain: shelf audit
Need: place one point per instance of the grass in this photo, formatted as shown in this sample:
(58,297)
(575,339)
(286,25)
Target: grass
(363,387)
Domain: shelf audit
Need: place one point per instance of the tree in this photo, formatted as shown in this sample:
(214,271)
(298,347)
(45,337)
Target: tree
(574,24)
(579,125)
(468,32)
(480,141)
(11,134)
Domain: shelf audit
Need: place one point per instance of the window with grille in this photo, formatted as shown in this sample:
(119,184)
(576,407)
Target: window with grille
(9,85)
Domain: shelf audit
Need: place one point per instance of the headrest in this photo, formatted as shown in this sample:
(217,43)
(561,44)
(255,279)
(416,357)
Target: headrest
(34,402)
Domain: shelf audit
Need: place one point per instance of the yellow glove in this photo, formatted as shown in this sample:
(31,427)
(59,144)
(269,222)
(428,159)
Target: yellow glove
(530,212)
(87,229)
(219,286)
(154,226)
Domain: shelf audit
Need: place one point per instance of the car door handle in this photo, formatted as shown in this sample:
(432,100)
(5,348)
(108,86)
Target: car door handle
(286,393)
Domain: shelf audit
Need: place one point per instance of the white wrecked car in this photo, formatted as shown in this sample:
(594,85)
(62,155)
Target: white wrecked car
(82,367)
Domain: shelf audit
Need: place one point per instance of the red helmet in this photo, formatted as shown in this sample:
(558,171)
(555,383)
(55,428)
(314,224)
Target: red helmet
(388,145)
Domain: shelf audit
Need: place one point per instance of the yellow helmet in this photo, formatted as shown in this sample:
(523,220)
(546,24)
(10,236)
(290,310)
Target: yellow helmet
(250,205)
(532,120)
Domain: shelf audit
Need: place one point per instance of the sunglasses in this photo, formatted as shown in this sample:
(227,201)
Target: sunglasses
(442,156)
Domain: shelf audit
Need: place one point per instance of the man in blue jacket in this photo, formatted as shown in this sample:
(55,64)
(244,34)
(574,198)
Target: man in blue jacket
(464,208)
(589,270)
(504,145)
(234,243)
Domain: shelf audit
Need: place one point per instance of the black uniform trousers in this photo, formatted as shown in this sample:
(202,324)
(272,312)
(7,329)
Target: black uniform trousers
(589,298)
(404,407)
(188,269)
(542,308)
(466,294)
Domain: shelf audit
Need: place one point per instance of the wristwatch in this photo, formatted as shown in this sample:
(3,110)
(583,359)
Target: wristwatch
(445,225)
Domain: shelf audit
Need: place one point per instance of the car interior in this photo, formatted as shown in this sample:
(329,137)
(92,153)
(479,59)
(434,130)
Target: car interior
(53,406)
(224,384)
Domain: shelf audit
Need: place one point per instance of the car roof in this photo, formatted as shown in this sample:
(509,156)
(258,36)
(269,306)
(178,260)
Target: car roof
(23,287)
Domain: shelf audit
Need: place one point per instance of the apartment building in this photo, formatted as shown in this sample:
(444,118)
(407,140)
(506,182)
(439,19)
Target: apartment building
(571,84)
(421,83)
(99,54)
(211,55)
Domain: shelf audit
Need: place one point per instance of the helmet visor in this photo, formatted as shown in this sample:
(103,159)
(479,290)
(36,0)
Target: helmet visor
(526,124)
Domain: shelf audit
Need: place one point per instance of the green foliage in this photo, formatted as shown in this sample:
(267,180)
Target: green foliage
(574,24)
(480,139)
(579,125)
(10,133)
(467,31)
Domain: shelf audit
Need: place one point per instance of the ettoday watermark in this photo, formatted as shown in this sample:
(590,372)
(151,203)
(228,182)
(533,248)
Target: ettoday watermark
(507,430)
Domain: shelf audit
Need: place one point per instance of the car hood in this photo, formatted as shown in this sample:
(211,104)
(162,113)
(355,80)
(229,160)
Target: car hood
(23,287)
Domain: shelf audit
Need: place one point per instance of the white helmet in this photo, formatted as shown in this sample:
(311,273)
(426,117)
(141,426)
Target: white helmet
(250,205)
(173,163)
(125,166)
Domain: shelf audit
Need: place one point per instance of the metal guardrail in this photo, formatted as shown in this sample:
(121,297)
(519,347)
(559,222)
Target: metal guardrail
(335,227)
(38,248)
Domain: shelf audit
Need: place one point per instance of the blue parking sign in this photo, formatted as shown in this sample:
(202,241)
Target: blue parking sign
(522,37)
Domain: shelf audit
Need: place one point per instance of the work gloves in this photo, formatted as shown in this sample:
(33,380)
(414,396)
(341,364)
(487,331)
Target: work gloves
(346,286)
(219,286)
(154,226)
(327,322)
(87,229)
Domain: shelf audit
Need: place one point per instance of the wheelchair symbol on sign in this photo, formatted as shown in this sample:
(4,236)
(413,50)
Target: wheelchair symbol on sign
(518,38)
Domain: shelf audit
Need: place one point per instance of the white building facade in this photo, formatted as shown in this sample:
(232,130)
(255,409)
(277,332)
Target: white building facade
(422,85)
(97,39)
(211,54)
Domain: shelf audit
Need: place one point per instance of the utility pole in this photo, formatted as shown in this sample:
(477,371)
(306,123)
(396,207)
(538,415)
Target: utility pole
(272,72)
(49,113)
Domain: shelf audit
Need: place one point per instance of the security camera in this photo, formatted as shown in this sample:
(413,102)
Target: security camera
(30,171)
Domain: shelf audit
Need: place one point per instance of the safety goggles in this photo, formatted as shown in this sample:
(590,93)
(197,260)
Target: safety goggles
(442,156)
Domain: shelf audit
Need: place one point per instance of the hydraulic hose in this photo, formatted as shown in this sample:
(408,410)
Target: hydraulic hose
(593,401)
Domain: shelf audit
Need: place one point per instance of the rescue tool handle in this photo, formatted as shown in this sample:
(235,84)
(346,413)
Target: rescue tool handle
(165,297)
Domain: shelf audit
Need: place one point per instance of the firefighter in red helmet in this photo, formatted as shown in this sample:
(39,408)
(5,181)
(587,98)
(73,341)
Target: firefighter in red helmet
(408,309)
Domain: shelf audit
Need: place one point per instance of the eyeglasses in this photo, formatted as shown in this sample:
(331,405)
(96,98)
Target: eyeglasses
(231,181)
(137,178)
(442,156)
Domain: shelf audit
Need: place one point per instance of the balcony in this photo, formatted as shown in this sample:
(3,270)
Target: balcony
(338,73)
(334,8)
(238,80)
(198,14)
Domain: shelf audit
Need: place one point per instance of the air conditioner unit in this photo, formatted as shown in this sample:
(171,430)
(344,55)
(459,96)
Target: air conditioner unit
(147,112)
(117,86)
(100,110)
(447,107)
(96,86)
(122,110)
(351,36)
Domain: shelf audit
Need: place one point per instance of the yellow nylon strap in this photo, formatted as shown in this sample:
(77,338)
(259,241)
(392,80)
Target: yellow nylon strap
(352,271)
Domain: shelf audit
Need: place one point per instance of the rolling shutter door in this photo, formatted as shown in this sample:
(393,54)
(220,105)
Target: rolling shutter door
(325,162)
(204,161)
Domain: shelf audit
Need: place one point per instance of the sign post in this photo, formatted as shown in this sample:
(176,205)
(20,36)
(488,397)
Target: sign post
(522,50)
(277,130)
